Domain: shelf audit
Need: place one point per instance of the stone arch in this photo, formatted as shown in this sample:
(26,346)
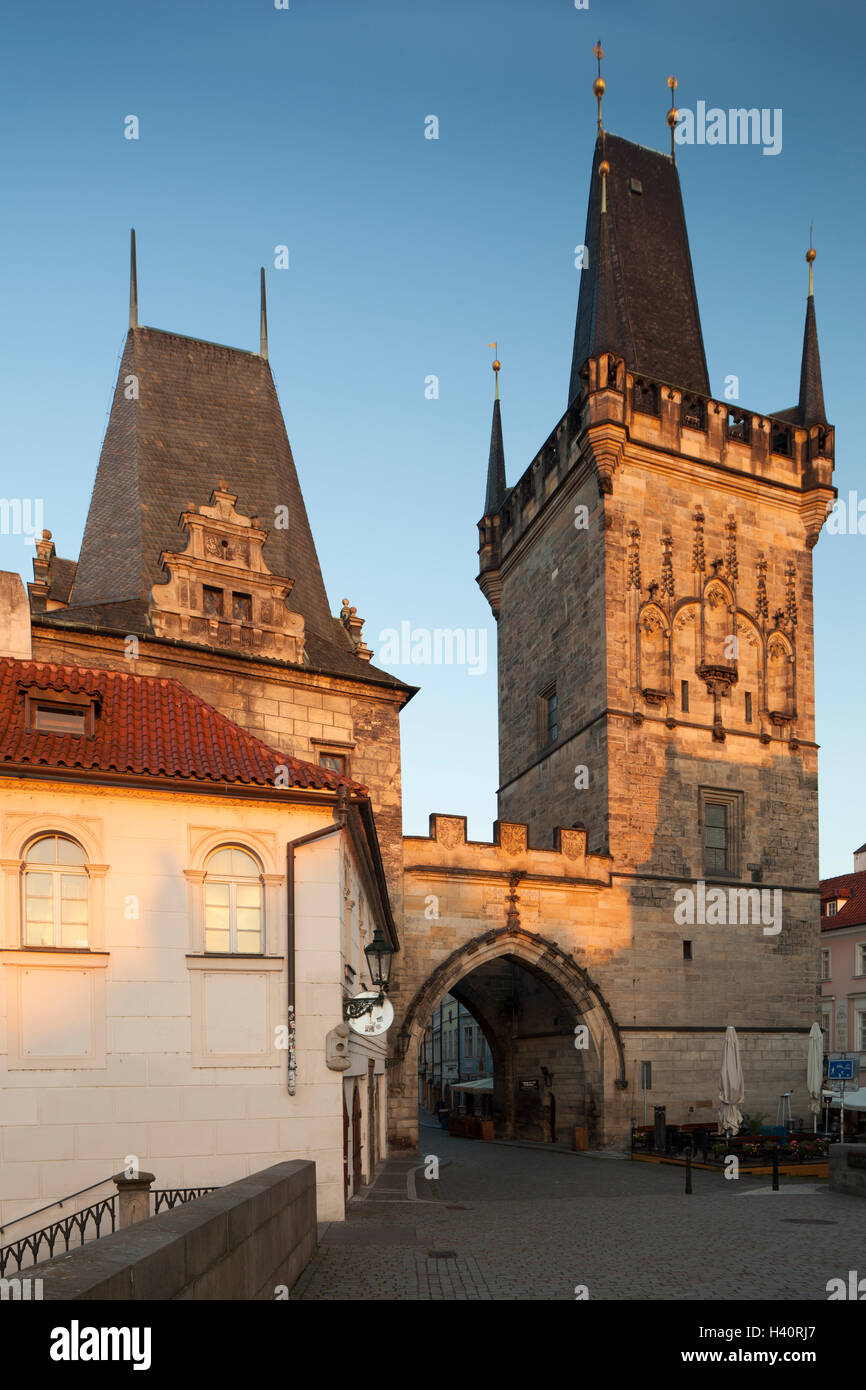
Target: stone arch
(539,956)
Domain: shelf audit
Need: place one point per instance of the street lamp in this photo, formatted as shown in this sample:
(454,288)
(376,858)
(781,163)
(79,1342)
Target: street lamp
(379,955)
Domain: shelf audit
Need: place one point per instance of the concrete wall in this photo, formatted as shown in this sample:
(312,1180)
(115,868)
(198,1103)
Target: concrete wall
(239,1243)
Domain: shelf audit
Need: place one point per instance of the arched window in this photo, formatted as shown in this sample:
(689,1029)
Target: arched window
(56,894)
(233,902)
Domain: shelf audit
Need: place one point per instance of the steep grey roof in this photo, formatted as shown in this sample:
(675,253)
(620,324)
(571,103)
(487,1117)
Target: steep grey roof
(637,294)
(204,414)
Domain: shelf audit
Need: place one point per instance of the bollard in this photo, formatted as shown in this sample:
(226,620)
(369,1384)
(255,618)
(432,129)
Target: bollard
(775,1170)
(688,1171)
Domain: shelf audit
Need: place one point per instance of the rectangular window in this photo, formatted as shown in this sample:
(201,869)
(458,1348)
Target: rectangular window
(548,717)
(825,962)
(830,908)
(335,762)
(860,1028)
(687,950)
(242,608)
(861,957)
(716,838)
(467,1042)
(60,719)
(684,696)
(212,600)
(721,817)
(748,706)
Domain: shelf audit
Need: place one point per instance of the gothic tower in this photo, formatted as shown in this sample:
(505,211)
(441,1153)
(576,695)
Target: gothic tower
(651,573)
(651,577)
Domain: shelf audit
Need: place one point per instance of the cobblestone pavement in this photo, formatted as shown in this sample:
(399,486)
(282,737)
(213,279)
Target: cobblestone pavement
(510,1222)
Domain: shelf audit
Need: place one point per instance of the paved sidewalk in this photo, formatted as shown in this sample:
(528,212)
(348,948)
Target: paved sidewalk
(510,1222)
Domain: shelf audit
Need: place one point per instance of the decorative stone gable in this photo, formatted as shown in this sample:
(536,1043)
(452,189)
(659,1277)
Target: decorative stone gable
(221,593)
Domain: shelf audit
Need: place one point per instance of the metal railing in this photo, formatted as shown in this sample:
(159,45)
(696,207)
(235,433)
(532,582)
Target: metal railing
(81,1227)
(169,1197)
(87,1224)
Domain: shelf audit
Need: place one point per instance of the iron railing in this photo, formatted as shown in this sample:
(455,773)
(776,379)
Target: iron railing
(169,1197)
(20,1254)
(86,1224)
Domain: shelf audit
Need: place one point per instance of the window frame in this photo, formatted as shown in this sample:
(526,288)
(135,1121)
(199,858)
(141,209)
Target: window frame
(734,804)
(826,963)
(56,871)
(232,881)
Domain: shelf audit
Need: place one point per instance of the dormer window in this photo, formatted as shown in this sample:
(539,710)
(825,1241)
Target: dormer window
(60,712)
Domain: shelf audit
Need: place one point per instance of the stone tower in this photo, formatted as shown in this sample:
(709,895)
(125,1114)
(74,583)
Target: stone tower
(651,577)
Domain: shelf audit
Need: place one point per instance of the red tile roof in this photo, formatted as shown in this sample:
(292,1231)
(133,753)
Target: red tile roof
(853,912)
(145,725)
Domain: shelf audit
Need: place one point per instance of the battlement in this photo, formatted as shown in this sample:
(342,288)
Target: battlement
(509,852)
(631,411)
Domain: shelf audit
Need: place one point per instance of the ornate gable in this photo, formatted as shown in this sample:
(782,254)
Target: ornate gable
(221,593)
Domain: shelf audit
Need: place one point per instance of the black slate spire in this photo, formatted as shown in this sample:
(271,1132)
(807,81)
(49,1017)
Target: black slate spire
(637,290)
(496,487)
(811,403)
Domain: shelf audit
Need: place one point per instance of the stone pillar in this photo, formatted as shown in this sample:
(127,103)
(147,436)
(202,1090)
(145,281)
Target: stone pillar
(133,1198)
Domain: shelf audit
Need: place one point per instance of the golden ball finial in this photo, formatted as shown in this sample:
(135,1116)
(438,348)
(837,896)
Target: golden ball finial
(604,167)
(811,254)
(672,117)
(496,365)
(673,83)
(598,51)
(599,87)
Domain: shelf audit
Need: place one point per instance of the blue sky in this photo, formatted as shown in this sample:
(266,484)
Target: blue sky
(305,127)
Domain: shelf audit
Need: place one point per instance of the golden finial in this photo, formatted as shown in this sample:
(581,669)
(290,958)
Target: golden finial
(604,170)
(672,117)
(598,85)
(810,257)
(496,366)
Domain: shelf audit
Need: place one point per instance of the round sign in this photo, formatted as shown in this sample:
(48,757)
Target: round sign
(376,1020)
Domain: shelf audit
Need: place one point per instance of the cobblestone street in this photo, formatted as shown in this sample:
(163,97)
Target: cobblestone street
(513,1222)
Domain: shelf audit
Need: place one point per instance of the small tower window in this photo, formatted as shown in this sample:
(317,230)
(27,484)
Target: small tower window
(687,950)
(548,717)
(242,608)
(334,762)
(748,706)
(684,696)
(212,602)
(716,838)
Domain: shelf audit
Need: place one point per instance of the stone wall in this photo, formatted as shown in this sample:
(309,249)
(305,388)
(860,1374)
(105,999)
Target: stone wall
(246,1242)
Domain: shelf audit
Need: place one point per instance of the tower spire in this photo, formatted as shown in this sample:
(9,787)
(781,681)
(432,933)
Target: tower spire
(811,403)
(496,486)
(133,283)
(263,321)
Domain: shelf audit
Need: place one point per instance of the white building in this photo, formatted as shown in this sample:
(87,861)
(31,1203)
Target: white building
(170,885)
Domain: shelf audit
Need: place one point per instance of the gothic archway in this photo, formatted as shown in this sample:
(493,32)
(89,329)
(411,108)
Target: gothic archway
(559,972)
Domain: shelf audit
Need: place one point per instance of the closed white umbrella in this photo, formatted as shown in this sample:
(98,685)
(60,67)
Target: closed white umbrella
(731,1088)
(815,1070)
